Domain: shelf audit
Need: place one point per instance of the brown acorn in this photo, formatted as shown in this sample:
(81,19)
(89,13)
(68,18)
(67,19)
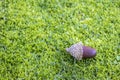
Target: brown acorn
(79,51)
(88,52)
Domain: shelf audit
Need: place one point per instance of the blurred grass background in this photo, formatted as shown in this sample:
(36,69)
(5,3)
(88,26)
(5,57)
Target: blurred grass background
(35,33)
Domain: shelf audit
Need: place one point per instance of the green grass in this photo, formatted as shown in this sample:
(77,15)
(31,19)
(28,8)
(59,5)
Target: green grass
(35,33)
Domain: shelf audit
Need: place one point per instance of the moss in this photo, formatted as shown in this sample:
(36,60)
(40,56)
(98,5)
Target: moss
(35,33)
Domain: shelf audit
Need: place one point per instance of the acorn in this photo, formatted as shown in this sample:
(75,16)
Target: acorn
(78,51)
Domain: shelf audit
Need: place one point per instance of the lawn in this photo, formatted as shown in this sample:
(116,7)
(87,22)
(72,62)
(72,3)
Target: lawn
(35,33)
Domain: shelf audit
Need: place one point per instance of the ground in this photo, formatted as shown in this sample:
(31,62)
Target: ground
(35,33)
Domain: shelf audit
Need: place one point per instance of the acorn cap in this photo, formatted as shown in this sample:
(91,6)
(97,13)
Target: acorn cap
(76,50)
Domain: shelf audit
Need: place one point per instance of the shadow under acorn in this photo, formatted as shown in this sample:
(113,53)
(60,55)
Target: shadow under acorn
(68,64)
(66,57)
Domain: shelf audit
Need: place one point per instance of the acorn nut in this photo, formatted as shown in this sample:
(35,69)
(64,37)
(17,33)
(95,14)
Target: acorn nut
(78,51)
